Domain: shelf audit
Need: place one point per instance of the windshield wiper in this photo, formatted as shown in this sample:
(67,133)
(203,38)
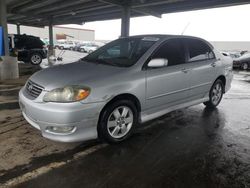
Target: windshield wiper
(104,62)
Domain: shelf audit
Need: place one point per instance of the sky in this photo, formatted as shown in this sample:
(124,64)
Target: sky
(218,24)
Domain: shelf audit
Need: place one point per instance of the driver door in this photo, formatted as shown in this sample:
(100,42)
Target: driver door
(168,85)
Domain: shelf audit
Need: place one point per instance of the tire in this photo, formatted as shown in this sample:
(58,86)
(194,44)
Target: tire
(112,123)
(71,48)
(36,59)
(61,48)
(215,94)
(82,50)
(245,66)
(90,51)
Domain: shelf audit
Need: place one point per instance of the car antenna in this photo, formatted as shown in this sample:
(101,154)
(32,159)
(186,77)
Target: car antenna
(185,28)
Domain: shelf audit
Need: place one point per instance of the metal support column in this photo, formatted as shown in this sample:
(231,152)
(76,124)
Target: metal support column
(51,40)
(51,51)
(125,21)
(3,23)
(18,29)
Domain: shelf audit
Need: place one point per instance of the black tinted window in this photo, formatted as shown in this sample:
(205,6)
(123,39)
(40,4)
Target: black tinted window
(198,50)
(173,51)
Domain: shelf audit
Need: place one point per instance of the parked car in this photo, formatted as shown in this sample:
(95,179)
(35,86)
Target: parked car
(78,47)
(233,55)
(29,49)
(65,45)
(106,95)
(242,62)
(89,48)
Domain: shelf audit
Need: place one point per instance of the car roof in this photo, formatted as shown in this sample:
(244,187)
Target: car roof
(162,36)
(165,36)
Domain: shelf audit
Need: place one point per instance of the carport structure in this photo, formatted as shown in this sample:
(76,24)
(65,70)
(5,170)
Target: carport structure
(40,13)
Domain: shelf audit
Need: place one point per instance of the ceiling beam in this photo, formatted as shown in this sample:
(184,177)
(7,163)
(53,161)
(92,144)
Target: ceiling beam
(144,11)
(154,3)
(39,12)
(34,5)
(147,11)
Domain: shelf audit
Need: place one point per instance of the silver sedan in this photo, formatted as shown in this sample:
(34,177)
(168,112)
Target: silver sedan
(125,83)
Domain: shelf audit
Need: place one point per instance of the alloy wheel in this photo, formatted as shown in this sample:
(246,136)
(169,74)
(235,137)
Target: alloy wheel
(35,59)
(217,93)
(120,122)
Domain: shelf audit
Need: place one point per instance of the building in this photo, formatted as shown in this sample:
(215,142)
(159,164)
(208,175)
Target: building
(58,32)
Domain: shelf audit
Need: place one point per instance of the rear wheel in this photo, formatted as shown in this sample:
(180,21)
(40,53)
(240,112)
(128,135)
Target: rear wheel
(215,94)
(36,59)
(117,121)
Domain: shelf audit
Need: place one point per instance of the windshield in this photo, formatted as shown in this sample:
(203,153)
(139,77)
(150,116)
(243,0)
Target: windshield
(122,52)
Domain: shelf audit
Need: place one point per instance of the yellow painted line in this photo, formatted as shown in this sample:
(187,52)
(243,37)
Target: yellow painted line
(45,169)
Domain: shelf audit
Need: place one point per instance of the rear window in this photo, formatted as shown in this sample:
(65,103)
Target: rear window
(198,50)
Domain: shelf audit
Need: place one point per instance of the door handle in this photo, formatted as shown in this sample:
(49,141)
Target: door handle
(213,64)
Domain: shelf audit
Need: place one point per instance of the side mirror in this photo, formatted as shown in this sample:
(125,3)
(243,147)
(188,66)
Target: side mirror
(157,63)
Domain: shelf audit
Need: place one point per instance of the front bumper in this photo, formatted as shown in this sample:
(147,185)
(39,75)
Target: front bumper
(236,65)
(83,117)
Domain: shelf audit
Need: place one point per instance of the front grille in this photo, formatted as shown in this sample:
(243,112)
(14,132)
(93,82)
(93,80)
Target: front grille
(33,89)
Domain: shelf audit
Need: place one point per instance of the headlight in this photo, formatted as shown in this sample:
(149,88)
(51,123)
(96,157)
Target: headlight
(67,94)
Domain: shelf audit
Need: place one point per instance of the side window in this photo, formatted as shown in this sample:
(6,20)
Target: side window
(173,50)
(198,50)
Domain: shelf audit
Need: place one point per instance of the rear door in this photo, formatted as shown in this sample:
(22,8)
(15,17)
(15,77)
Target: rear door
(168,86)
(202,65)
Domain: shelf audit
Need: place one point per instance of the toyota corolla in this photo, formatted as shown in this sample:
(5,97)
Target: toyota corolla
(123,84)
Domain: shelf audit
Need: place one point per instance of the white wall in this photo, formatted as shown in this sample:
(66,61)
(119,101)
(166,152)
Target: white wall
(231,45)
(78,34)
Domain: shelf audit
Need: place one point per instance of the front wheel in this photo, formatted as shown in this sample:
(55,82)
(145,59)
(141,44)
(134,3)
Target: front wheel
(215,94)
(117,121)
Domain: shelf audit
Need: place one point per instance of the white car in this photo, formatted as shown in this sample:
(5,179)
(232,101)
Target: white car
(89,48)
(65,45)
(128,81)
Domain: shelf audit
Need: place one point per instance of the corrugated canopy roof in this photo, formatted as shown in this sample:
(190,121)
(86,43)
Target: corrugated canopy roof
(42,12)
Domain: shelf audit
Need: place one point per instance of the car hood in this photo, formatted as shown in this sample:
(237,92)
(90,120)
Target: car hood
(245,57)
(72,74)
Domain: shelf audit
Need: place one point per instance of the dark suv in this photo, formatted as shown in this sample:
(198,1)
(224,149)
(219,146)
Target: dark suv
(30,49)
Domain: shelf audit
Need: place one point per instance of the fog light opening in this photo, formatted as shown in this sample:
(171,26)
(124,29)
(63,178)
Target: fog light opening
(61,130)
